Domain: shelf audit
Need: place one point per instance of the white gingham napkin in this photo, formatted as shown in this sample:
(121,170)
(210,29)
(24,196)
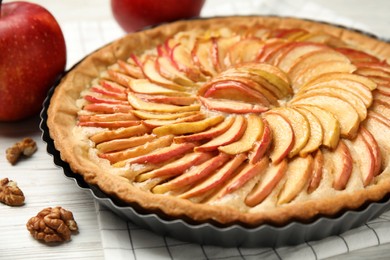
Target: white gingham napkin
(123,240)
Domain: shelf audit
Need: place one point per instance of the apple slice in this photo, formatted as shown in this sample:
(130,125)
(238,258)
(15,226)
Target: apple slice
(163,154)
(168,71)
(193,175)
(119,77)
(187,127)
(120,156)
(119,133)
(208,134)
(381,108)
(222,46)
(342,164)
(107,108)
(374,147)
(329,124)
(172,100)
(109,125)
(357,88)
(246,50)
(122,144)
(269,180)
(297,175)
(345,95)
(370,84)
(233,134)
(319,69)
(300,127)
(182,59)
(371,72)
(144,86)
(248,172)
(100,99)
(152,123)
(215,180)
(139,104)
(231,106)
(159,116)
(262,145)
(151,72)
(362,154)
(283,137)
(108,117)
(295,51)
(356,55)
(316,174)
(176,167)
(271,46)
(235,90)
(254,130)
(131,68)
(379,117)
(289,34)
(202,58)
(342,110)
(316,132)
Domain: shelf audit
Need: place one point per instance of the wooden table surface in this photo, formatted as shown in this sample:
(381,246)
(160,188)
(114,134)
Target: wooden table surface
(45,185)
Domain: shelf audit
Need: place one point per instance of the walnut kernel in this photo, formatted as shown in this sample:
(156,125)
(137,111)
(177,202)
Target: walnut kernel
(52,225)
(26,147)
(10,193)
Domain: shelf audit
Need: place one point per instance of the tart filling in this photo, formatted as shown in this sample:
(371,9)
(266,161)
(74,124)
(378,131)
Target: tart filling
(245,120)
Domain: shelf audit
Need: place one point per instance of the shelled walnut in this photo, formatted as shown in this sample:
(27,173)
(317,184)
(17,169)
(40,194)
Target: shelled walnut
(26,147)
(52,225)
(10,193)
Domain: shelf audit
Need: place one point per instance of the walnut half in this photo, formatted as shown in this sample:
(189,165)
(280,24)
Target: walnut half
(25,147)
(52,225)
(10,193)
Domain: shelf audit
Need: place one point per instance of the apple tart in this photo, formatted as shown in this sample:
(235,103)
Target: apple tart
(246,120)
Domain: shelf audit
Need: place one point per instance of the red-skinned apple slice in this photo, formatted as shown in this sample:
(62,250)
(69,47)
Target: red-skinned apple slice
(254,130)
(99,99)
(109,125)
(297,175)
(120,156)
(223,44)
(379,117)
(119,77)
(108,108)
(122,144)
(300,127)
(283,137)
(119,133)
(131,68)
(202,58)
(380,107)
(169,71)
(342,165)
(231,106)
(233,134)
(216,179)
(262,145)
(270,47)
(356,55)
(107,117)
(208,134)
(362,154)
(163,154)
(269,180)
(176,167)
(139,104)
(235,90)
(371,72)
(316,133)
(316,174)
(342,111)
(188,127)
(193,175)
(159,116)
(173,100)
(246,173)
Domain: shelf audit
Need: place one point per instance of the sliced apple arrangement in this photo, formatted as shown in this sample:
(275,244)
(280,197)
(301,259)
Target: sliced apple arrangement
(260,116)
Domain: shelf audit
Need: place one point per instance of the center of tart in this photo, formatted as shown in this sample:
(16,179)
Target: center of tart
(246,88)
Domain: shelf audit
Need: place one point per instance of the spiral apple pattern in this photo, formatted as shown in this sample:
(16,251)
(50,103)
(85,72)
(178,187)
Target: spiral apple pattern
(262,115)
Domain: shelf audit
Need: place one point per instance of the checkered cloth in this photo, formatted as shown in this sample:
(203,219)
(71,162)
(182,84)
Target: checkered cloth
(123,240)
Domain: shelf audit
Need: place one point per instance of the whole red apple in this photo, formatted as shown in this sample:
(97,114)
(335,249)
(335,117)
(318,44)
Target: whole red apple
(133,15)
(32,56)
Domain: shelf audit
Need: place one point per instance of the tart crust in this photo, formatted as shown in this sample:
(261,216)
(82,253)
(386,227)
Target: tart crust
(75,149)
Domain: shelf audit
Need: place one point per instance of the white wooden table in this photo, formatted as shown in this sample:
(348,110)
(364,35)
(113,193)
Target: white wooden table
(45,185)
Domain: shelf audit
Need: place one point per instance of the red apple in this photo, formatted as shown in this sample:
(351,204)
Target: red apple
(133,15)
(32,56)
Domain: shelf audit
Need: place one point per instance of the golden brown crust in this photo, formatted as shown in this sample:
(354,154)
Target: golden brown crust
(62,118)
